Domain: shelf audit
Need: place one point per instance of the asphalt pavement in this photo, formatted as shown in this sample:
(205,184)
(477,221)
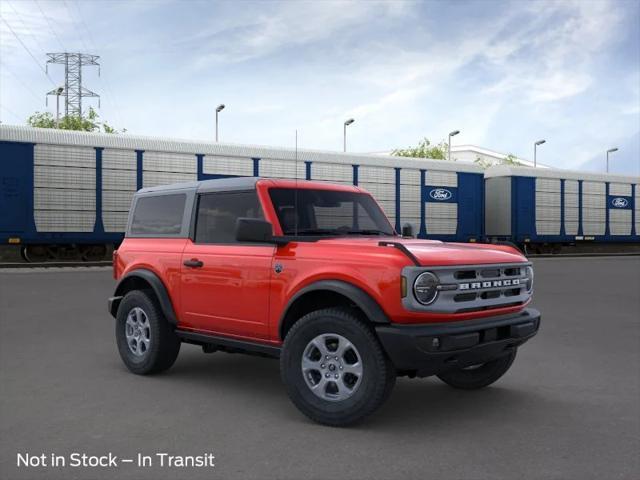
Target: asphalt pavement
(569,408)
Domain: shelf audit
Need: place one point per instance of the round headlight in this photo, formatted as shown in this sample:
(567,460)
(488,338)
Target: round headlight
(425,288)
(529,273)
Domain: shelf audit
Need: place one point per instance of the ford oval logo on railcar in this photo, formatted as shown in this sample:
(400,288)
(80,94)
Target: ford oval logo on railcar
(619,202)
(440,194)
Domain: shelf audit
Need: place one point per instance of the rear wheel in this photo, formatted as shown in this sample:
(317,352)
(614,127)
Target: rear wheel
(334,368)
(479,376)
(146,341)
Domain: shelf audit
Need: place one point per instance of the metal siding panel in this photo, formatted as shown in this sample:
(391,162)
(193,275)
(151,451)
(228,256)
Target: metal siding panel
(441,218)
(381,191)
(271,168)
(332,172)
(64,156)
(441,179)
(571,186)
(547,199)
(548,185)
(620,221)
(169,162)
(594,201)
(410,193)
(376,175)
(115,159)
(409,176)
(593,188)
(547,227)
(115,221)
(60,199)
(409,210)
(571,228)
(620,189)
(593,228)
(216,165)
(64,220)
(153,179)
(121,180)
(116,201)
(65,177)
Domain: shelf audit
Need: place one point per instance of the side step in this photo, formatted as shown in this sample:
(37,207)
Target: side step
(212,343)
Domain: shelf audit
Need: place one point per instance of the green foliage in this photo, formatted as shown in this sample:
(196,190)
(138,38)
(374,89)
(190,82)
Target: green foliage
(424,150)
(483,163)
(510,159)
(88,123)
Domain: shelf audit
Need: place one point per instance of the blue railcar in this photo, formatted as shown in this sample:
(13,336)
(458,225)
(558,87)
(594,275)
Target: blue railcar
(65,191)
(556,207)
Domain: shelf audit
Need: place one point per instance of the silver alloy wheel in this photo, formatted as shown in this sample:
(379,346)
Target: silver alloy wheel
(138,331)
(332,367)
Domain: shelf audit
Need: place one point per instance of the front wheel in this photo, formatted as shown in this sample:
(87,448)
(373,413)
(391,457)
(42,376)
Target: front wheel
(479,376)
(146,341)
(334,368)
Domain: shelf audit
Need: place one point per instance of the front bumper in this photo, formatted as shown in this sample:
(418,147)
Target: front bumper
(431,349)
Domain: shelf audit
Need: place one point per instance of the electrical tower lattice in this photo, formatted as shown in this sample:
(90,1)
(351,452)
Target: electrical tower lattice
(74,92)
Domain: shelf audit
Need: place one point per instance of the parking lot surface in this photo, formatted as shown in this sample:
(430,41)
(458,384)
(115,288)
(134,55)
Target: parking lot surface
(568,409)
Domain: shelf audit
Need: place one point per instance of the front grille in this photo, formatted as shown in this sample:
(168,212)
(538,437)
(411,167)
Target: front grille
(473,287)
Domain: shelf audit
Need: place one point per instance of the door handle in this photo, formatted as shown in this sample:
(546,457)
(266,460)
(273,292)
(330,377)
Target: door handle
(194,263)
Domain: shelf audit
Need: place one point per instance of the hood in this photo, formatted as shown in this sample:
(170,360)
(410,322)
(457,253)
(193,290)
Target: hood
(436,253)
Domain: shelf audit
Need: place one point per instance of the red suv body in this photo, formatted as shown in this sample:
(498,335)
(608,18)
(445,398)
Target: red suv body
(313,273)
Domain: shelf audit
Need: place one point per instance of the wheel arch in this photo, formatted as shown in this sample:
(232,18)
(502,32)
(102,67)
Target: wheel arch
(143,279)
(327,293)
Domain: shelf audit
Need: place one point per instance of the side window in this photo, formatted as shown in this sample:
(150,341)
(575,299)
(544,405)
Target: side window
(218,212)
(158,215)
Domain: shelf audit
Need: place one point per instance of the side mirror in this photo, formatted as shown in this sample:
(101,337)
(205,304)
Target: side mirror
(250,230)
(253,230)
(407,230)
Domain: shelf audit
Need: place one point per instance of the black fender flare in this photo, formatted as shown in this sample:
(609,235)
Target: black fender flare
(157,286)
(359,297)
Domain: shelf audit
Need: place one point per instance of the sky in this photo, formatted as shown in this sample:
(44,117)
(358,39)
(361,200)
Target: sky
(503,73)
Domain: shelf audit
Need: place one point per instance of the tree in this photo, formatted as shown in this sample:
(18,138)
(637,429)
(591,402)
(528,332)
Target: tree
(88,123)
(424,150)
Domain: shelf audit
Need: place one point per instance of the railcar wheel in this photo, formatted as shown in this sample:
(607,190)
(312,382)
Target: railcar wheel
(35,253)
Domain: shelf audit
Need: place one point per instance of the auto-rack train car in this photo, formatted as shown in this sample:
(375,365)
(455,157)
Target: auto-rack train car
(544,209)
(66,194)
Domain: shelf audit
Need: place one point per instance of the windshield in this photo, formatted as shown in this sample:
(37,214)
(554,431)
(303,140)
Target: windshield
(328,212)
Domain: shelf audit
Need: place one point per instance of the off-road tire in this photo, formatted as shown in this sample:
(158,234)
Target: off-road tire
(378,377)
(479,377)
(164,344)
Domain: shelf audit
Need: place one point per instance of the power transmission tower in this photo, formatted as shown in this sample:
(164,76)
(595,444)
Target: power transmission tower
(74,92)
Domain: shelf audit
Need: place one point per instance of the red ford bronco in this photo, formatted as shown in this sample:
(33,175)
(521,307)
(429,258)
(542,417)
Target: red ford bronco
(314,274)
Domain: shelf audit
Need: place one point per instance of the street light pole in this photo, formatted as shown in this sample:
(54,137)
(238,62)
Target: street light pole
(535,146)
(452,134)
(59,90)
(219,108)
(344,133)
(611,150)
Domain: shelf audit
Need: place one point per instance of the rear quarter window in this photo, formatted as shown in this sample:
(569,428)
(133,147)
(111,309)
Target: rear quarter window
(158,215)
